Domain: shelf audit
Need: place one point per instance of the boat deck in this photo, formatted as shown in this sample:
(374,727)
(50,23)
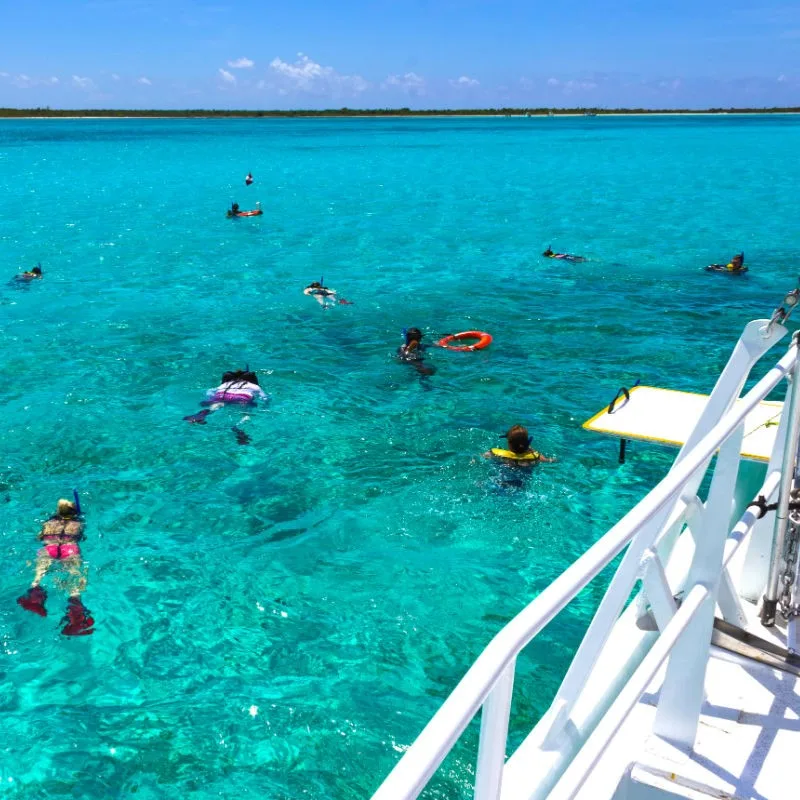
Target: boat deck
(748,738)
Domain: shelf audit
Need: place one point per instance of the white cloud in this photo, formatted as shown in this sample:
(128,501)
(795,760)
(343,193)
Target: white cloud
(306,75)
(145,81)
(227,77)
(23,81)
(573,85)
(579,86)
(782,79)
(83,83)
(465,82)
(114,76)
(673,84)
(410,83)
(241,63)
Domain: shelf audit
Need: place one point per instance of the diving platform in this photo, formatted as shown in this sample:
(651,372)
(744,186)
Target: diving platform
(666,416)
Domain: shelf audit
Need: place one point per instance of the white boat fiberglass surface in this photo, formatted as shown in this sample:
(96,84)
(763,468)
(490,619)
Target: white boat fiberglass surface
(689,691)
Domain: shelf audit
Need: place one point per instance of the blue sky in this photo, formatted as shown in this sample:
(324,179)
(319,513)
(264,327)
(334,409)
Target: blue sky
(416,53)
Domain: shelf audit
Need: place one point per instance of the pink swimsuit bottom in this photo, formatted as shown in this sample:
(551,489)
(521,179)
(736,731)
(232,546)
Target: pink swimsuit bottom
(60,552)
(232,397)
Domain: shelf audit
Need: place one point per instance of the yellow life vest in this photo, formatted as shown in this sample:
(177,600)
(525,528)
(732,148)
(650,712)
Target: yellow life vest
(531,455)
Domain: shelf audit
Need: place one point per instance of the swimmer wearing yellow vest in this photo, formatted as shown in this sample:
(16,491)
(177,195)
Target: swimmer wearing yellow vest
(735,265)
(31,275)
(519,451)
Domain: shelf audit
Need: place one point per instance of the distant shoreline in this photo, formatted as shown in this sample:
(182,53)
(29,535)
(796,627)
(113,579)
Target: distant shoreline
(48,113)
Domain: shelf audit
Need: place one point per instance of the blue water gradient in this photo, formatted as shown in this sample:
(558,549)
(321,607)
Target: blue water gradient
(279,620)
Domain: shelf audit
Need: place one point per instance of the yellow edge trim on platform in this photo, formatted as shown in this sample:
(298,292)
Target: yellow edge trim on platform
(657,440)
(672,443)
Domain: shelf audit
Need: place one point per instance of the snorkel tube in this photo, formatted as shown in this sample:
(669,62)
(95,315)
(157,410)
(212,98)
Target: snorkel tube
(77,502)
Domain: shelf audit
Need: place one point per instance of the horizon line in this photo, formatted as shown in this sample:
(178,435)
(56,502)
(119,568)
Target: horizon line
(47,111)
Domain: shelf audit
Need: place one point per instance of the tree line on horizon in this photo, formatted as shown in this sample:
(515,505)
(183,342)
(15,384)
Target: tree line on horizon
(373,112)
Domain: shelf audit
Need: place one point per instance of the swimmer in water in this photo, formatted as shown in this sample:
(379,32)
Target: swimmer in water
(60,536)
(234,210)
(238,388)
(736,264)
(31,275)
(519,452)
(249,179)
(563,256)
(324,296)
(412,351)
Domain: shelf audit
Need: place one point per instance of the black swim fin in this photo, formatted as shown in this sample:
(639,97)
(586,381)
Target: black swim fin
(199,418)
(79,620)
(33,600)
(241,436)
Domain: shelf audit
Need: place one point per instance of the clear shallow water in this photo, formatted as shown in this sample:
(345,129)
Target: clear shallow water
(280,620)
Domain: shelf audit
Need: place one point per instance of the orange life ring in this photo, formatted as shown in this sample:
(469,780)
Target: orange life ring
(256,213)
(484,340)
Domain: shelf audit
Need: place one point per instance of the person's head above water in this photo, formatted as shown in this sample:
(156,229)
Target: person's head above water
(518,439)
(548,252)
(413,335)
(36,271)
(66,509)
(315,285)
(245,375)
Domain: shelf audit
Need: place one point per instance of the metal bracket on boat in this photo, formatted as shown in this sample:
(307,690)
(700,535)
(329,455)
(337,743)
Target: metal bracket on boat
(783,311)
(786,534)
(763,507)
(740,642)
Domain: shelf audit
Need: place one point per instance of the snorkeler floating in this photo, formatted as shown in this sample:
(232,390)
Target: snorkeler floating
(234,211)
(238,388)
(734,266)
(31,275)
(519,452)
(60,536)
(563,256)
(412,351)
(324,296)
(249,179)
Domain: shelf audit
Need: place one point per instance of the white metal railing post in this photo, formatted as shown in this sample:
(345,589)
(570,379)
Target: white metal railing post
(755,569)
(656,589)
(494,734)
(682,693)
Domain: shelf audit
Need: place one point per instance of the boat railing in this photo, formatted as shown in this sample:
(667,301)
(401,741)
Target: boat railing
(648,530)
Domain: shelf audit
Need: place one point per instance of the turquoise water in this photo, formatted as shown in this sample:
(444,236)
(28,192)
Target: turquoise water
(279,620)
